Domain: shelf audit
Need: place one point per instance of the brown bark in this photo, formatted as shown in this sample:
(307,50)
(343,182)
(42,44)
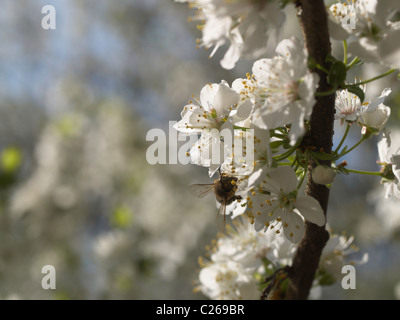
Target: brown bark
(313,19)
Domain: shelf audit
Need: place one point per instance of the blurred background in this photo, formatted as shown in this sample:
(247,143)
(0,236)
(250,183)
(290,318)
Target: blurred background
(76,191)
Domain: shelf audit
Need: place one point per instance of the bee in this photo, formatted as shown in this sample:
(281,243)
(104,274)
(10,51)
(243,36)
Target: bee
(224,189)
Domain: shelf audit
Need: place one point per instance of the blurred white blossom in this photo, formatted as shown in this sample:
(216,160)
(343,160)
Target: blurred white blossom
(236,262)
(338,252)
(244,25)
(389,159)
(376,26)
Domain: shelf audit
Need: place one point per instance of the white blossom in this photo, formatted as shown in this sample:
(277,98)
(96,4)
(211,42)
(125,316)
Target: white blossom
(389,159)
(244,25)
(376,119)
(228,281)
(209,116)
(375,114)
(237,262)
(256,152)
(274,203)
(336,253)
(348,105)
(386,210)
(282,89)
(386,207)
(374,33)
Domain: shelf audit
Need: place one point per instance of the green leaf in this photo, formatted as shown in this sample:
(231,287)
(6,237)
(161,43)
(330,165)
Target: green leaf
(323,155)
(331,59)
(337,74)
(357,91)
(291,158)
(356,64)
(276,144)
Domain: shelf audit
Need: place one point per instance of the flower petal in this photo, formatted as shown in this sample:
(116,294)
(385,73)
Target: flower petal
(377,101)
(234,51)
(224,98)
(281,179)
(207,95)
(293,226)
(311,210)
(185,125)
(395,161)
(260,220)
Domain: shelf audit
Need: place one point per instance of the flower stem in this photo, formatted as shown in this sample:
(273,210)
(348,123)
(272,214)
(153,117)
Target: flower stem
(353,147)
(318,66)
(377,77)
(314,158)
(304,173)
(353,62)
(240,128)
(345,52)
(301,180)
(343,138)
(371,173)
(286,154)
(325,93)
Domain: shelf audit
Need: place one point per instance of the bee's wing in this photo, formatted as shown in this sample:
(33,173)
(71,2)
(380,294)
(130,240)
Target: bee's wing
(221,219)
(200,190)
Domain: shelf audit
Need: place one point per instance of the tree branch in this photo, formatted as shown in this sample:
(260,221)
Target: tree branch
(313,19)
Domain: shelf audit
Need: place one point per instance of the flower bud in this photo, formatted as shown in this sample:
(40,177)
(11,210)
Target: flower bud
(377,118)
(323,174)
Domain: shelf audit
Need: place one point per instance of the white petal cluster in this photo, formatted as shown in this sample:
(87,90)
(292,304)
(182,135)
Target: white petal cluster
(389,159)
(236,265)
(339,251)
(239,261)
(241,24)
(282,89)
(256,141)
(209,117)
(371,26)
(373,115)
(348,105)
(278,97)
(274,203)
(385,200)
